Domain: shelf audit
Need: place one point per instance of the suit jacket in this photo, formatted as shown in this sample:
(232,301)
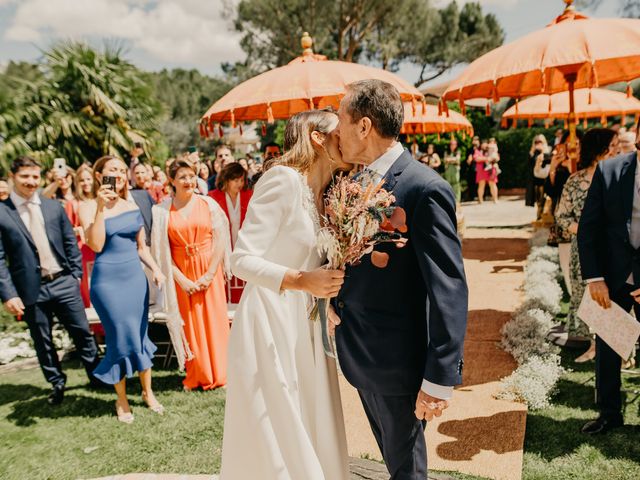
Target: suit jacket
(407,322)
(145,204)
(603,233)
(20,272)
(245,196)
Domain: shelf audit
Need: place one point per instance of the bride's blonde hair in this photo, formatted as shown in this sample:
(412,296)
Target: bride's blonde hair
(298,147)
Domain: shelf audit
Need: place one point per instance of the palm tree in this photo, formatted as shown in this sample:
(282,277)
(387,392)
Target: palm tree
(86,104)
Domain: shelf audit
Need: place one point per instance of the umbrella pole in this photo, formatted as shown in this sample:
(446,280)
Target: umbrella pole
(572,150)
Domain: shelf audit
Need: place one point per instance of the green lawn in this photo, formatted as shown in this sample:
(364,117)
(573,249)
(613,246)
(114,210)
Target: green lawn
(82,439)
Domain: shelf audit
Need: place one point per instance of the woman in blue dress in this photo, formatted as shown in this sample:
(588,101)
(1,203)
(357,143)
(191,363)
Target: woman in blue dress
(119,290)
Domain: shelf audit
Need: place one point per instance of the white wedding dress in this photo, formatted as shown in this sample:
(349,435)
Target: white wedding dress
(283,416)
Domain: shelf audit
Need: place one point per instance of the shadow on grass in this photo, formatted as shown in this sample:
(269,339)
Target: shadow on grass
(10,393)
(550,438)
(27,413)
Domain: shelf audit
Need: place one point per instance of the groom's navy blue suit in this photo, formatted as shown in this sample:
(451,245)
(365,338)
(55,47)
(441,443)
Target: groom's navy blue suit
(406,322)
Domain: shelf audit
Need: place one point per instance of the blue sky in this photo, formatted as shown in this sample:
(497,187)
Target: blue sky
(194,33)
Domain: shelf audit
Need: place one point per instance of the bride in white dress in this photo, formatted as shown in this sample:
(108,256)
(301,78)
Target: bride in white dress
(283,416)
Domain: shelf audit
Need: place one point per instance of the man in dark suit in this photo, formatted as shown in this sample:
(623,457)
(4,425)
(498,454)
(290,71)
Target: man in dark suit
(40,268)
(401,328)
(609,248)
(145,203)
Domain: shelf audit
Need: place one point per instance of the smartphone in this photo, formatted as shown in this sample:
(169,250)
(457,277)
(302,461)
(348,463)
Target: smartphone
(109,180)
(60,165)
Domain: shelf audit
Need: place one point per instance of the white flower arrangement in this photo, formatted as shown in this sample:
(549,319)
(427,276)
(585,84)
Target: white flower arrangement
(544,253)
(533,382)
(17,345)
(14,346)
(546,292)
(526,335)
(542,267)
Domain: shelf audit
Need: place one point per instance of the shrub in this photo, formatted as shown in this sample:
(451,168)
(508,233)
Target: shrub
(533,381)
(526,335)
(543,253)
(545,291)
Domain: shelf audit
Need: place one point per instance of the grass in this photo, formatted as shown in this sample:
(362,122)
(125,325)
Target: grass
(554,448)
(82,439)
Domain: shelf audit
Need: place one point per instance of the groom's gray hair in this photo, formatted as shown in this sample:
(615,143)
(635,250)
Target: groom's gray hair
(380,102)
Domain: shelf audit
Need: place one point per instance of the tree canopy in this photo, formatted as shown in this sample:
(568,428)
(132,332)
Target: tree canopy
(79,104)
(384,32)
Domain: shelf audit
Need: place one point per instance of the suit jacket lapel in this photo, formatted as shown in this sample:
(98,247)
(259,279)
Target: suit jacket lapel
(627,188)
(391,178)
(13,212)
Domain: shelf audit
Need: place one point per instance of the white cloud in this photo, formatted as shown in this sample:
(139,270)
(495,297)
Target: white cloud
(187,32)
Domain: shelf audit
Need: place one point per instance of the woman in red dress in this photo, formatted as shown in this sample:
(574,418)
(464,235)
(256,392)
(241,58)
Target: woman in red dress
(232,195)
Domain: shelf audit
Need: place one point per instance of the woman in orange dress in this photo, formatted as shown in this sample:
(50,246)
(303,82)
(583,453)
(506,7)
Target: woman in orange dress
(190,241)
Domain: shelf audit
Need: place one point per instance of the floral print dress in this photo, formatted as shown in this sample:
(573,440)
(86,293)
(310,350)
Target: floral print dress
(569,210)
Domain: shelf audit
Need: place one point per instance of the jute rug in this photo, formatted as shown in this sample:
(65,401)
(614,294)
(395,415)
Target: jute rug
(478,434)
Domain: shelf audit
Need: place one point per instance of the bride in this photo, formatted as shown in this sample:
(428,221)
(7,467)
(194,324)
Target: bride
(283,416)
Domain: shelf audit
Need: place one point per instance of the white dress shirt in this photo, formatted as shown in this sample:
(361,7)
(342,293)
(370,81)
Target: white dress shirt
(234,216)
(22,205)
(380,167)
(382,164)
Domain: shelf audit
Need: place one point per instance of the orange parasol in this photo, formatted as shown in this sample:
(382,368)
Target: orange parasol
(573,51)
(429,119)
(589,103)
(309,81)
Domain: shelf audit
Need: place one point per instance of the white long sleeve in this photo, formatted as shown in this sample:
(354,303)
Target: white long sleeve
(270,205)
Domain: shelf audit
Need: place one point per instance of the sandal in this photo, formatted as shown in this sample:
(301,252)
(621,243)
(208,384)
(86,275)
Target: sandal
(157,408)
(124,417)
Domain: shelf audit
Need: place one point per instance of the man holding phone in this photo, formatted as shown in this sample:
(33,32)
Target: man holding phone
(40,268)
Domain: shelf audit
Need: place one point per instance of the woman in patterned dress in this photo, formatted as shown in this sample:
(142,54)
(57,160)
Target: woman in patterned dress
(597,144)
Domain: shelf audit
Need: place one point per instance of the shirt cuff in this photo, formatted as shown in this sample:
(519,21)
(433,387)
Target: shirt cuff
(597,279)
(438,391)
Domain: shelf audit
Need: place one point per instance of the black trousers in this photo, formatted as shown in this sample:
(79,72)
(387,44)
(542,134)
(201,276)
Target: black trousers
(608,363)
(400,435)
(61,298)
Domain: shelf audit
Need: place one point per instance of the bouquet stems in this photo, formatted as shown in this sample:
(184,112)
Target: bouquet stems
(323,315)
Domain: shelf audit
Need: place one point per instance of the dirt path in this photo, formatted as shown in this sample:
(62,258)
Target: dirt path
(478,435)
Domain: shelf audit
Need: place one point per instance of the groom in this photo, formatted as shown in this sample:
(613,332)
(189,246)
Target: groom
(400,330)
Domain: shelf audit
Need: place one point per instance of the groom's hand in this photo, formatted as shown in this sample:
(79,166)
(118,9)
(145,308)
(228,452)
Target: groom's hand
(334,321)
(428,407)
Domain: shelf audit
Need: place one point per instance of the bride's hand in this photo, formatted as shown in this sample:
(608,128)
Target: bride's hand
(321,282)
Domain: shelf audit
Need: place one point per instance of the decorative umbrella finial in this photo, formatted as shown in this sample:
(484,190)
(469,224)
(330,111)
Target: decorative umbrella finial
(569,4)
(306,42)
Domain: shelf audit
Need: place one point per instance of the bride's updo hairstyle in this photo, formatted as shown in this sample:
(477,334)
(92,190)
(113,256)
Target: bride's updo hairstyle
(298,147)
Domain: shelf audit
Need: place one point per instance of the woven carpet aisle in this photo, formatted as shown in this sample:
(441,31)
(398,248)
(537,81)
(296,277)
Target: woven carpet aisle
(478,434)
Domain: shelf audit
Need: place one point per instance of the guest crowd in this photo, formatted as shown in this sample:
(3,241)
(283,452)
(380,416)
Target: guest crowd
(122,237)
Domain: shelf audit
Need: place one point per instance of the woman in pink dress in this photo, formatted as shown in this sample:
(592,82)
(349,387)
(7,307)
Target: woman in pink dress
(483,175)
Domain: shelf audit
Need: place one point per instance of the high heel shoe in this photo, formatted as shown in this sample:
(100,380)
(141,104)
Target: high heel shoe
(156,408)
(124,417)
(588,355)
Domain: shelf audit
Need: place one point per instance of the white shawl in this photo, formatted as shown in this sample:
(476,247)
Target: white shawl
(161,251)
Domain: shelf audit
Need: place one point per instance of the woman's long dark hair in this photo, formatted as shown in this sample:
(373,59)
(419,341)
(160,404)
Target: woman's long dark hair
(594,144)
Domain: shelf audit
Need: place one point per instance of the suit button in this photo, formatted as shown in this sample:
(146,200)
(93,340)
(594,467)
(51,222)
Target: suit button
(340,304)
